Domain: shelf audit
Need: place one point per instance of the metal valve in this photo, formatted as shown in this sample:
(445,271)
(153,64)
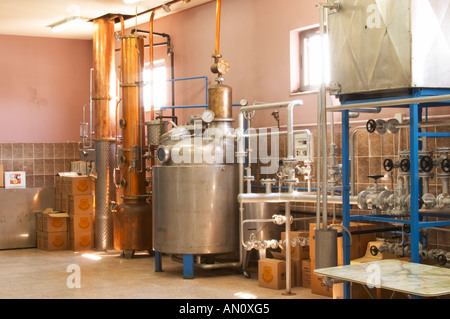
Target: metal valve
(371,126)
(404,165)
(388,165)
(426,163)
(379,126)
(445,165)
(281,219)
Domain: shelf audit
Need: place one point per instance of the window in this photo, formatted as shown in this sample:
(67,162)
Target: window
(159,85)
(306,60)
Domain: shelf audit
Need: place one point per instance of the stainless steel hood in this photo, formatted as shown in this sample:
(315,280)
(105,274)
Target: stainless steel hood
(389,45)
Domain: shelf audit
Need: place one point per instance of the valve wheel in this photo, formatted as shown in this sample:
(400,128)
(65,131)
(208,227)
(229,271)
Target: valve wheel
(405,165)
(445,165)
(374,250)
(441,259)
(371,126)
(407,228)
(426,164)
(388,164)
(421,202)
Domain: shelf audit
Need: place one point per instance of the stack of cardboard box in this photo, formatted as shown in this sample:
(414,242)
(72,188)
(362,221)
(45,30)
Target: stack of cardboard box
(76,199)
(272,271)
(51,229)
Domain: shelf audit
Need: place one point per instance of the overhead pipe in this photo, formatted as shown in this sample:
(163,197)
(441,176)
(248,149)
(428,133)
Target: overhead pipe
(218,14)
(293,196)
(150,50)
(172,66)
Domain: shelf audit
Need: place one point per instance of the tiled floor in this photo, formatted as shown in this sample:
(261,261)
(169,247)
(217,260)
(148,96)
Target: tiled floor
(33,273)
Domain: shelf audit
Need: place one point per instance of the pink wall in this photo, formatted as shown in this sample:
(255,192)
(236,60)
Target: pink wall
(255,40)
(44,83)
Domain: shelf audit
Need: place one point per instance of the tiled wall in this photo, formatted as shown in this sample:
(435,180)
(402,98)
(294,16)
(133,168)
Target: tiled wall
(40,161)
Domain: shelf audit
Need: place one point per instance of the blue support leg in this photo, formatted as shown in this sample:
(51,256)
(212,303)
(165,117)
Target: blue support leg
(346,194)
(188,266)
(414,159)
(158,262)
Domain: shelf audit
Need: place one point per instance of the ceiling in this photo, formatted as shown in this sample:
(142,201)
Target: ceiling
(33,18)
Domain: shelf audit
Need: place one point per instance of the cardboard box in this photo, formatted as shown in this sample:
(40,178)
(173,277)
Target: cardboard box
(298,253)
(306,273)
(81,240)
(2,173)
(80,222)
(80,167)
(80,204)
(318,287)
(15,179)
(272,273)
(369,257)
(38,221)
(59,180)
(80,229)
(77,185)
(58,202)
(296,267)
(52,241)
(64,203)
(53,221)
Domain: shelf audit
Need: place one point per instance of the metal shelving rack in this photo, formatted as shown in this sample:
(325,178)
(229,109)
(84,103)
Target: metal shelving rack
(418,101)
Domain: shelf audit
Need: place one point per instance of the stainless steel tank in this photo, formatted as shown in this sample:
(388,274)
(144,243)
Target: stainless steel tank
(194,210)
(195,187)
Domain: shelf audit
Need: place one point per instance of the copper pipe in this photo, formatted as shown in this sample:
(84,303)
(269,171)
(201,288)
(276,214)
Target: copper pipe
(122,25)
(103,78)
(218,9)
(150,48)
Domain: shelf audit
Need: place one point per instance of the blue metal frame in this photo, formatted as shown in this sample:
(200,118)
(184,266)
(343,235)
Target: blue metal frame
(188,266)
(189,106)
(415,221)
(346,194)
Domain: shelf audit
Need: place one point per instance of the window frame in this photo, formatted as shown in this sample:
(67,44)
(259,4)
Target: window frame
(156,64)
(303,35)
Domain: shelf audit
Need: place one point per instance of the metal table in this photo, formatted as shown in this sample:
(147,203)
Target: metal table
(395,275)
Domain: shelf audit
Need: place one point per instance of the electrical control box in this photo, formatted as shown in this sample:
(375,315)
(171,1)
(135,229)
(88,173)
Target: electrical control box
(303,147)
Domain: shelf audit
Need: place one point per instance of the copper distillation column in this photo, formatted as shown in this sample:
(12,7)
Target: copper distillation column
(103,91)
(133,217)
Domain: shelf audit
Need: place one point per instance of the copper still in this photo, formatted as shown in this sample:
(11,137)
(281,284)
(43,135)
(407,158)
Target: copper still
(103,91)
(133,217)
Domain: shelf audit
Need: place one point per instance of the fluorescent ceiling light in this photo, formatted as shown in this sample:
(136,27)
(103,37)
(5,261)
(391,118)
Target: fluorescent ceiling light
(66,23)
(130,1)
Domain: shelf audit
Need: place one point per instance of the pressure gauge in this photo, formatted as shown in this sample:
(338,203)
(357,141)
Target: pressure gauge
(208,116)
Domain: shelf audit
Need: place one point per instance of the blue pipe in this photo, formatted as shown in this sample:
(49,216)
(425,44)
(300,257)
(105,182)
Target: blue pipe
(414,171)
(346,193)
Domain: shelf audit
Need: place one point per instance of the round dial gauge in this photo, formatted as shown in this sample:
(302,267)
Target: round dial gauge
(208,116)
